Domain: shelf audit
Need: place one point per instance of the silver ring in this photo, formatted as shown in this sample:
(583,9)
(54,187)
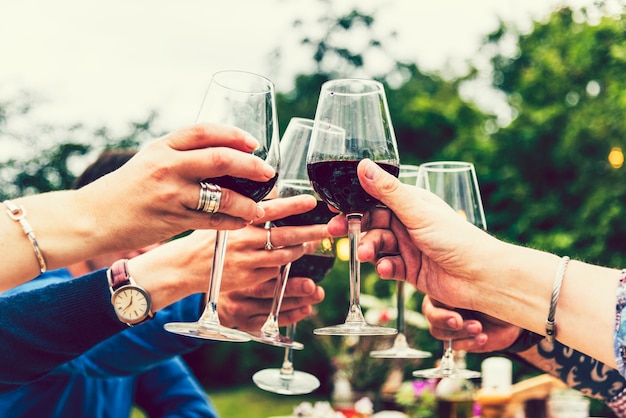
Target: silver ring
(268,243)
(210,197)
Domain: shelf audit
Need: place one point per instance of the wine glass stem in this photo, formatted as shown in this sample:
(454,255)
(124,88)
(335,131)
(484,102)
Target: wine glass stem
(400,306)
(286,371)
(210,316)
(447,361)
(270,327)
(354,234)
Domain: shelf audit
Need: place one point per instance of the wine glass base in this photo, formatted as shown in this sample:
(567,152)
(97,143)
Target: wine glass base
(439,372)
(400,352)
(217,333)
(276,340)
(299,383)
(355,329)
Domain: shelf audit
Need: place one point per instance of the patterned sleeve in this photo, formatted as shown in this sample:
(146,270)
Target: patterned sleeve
(619,341)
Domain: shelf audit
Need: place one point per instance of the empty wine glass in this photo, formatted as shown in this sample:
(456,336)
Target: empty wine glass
(455,182)
(400,347)
(247,101)
(359,107)
(294,181)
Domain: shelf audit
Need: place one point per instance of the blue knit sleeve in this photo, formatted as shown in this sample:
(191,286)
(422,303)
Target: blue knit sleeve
(619,342)
(171,390)
(143,346)
(44,328)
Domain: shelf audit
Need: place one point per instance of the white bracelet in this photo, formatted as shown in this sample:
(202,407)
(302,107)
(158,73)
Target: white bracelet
(18,213)
(558,281)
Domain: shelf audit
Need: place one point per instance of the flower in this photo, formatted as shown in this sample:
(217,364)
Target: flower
(417,398)
(321,409)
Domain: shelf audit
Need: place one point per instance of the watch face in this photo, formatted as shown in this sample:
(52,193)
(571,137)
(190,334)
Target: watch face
(131,304)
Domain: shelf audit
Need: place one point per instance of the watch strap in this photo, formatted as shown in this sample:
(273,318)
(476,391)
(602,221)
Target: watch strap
(118,275)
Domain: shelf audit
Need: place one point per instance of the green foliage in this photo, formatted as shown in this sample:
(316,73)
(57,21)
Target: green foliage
(544,177)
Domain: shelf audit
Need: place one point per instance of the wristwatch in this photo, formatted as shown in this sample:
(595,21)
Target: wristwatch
(131,302)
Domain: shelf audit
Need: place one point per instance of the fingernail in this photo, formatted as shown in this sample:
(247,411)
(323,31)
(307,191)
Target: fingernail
(481,339)
(452,323)
(260,212)
(371,169)
(473,328)
(251,141)
(308,287)
(268,171)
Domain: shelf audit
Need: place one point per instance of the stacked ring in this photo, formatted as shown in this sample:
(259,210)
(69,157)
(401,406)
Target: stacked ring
(210,197)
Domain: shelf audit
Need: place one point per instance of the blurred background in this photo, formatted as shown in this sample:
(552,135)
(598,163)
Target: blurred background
(533,93)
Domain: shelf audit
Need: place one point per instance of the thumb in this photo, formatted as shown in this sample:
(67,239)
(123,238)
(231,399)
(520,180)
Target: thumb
(385,187)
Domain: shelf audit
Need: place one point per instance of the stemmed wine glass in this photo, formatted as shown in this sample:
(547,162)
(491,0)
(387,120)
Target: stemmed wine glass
(400,347)
(455,182)
(294,181)
(247,101)
(359,107)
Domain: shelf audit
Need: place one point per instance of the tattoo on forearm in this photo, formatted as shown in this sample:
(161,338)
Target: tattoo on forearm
(577,370)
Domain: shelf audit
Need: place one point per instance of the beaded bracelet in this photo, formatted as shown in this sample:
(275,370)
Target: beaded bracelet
(558,281)
(18,213)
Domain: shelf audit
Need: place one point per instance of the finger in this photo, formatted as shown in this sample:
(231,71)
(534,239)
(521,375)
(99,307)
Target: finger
(204,135)
(295,315)
(282,207)
(391,268)
(234,209)
(286,236)
(290,303)
(338,226)
(383,186)
(376,242)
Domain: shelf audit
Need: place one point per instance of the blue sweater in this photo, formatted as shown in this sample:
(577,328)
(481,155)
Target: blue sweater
(140,365)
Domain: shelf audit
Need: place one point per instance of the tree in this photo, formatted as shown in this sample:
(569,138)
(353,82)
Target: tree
(551,185)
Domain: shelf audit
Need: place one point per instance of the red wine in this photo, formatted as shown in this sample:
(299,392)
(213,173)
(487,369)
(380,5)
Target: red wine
(255,190)
(337,183)
(315,266)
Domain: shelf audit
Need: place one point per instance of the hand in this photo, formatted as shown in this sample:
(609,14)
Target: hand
(437,251)
(153,197)
(247,309)
(186,261)
(471,331)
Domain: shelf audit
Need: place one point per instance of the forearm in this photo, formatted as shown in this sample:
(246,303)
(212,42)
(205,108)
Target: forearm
(63,229)
(519,290)
(578,371)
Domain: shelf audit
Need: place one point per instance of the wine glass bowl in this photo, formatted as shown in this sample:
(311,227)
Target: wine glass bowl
(246,101)
(455,183)
(356,109)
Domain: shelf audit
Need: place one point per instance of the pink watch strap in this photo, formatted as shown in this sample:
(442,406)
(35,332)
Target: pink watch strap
(119,274)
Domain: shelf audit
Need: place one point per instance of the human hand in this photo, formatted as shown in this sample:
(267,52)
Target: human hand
(153,196)
(186,261)
(470,330)
(247,309)
(437,251)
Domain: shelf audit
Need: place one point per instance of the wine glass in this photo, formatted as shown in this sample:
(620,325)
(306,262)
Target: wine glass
(400,347)
(247,101)
(294,181)
(359,107)
(455,182)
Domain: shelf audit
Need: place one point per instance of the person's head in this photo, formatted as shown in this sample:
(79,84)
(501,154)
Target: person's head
(107,162)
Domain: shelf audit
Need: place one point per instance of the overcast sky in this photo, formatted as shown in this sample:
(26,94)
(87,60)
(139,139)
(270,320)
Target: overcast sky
(109,62)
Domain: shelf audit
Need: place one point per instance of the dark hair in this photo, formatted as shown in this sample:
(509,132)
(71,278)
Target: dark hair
(107,161)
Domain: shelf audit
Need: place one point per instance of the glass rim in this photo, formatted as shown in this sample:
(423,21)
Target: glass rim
(377,89)
(448,166)
(265,84)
